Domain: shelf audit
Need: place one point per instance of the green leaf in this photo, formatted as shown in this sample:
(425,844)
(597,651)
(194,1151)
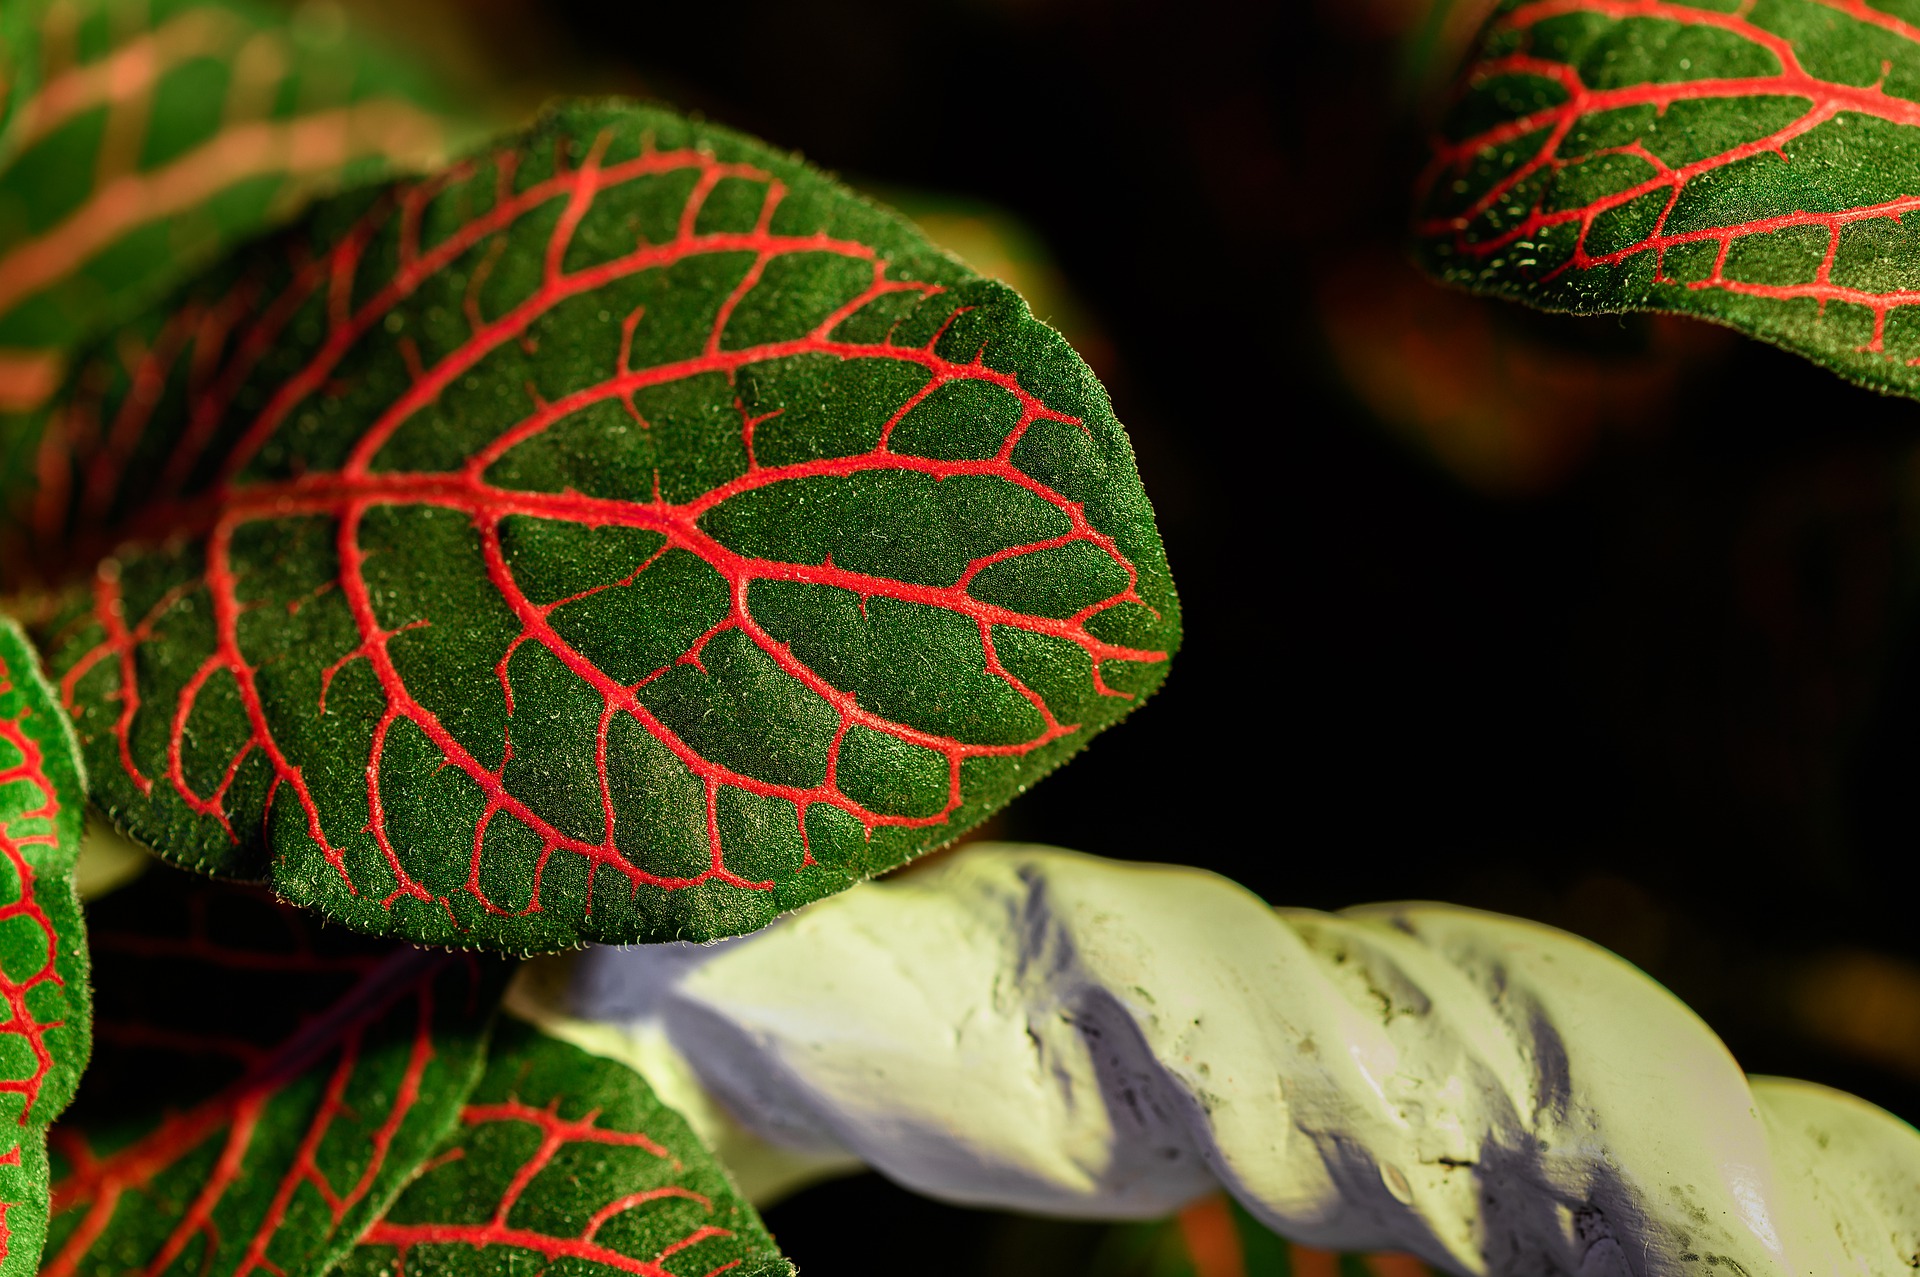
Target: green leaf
(45,1023)
(565,1161)
(629,534)
(263,1087)
(1751,164)
(142,136)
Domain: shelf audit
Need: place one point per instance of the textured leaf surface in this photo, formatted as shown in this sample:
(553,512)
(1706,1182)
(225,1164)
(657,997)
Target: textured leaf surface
(44,1030)
(141,135)
(627,535)
(261,1088)
(567,1162)
(1752,162)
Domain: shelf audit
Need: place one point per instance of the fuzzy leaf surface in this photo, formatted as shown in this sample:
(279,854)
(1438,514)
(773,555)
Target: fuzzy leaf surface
(45,1021)
(1751,163)
(141,136)
(627,535)
(262,1087)
(565,1161)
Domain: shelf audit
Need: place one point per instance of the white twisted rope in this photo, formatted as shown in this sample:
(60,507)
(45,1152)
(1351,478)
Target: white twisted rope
(1035,1029)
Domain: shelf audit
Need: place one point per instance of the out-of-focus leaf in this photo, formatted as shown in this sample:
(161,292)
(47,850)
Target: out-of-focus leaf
(140,137)
(1216,1237)
(1479,387)
(261,1087)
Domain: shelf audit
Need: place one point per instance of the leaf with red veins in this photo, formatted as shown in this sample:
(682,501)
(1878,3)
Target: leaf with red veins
(45,1020)
(567,1162)
(1750,163)
(262,1086)
(139,139)
(626,535)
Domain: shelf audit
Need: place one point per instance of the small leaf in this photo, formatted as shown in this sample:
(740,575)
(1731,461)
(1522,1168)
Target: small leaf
(629,534)
(140,138)
(565,1161)
(263,1088)
(1749,164)
(45,1023)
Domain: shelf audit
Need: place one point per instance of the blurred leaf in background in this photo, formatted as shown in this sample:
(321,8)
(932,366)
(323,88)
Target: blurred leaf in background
(1508,402)
(1505,401)
(1434,37)
(1213,1237)
(141,137)
(1216,1237)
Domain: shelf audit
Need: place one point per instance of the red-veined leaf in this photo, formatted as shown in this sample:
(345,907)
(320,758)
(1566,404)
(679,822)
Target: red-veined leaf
(44,1023)
(1749,163)
(629,534)
(261,1089)
(139,136)
(565,1161)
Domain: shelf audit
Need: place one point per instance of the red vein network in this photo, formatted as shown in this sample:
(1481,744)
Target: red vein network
(219,348)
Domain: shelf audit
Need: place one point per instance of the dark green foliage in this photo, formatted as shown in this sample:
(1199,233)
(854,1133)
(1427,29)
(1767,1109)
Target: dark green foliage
(46,1020)
(1750,164)
(567,1163)
(263,1087)
(139,137)
(629,534)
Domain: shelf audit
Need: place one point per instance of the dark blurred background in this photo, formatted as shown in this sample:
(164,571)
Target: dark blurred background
(1607,622)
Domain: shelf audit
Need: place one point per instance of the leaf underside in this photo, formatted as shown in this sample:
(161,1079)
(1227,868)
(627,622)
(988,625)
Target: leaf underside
(44,1023)
(627,535)
(565,1162)
(1752,162)
(262,1087)
(140,136)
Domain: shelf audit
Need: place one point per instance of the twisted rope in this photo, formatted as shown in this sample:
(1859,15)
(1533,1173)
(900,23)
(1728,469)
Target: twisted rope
(1035,1029)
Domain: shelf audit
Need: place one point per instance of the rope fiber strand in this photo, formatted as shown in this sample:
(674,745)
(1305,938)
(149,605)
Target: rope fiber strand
(1035,1029)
